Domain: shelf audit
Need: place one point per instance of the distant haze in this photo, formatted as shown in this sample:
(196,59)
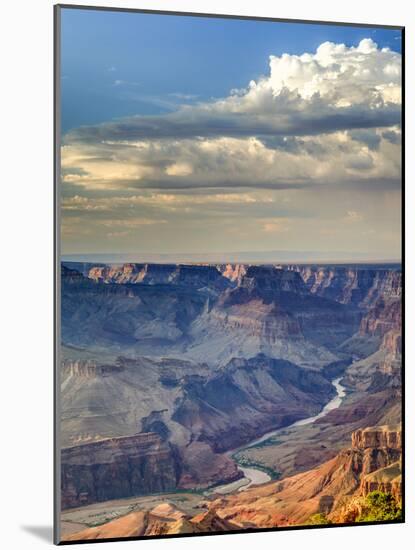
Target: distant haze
(232,257)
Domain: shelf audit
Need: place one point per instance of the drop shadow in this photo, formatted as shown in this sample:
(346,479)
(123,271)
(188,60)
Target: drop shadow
(42,532)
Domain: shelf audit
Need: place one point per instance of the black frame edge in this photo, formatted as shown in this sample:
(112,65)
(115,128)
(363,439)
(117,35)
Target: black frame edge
(56,273)
(227,16)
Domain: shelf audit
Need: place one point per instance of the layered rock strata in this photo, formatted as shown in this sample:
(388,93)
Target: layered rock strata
(116,468)
(372,462)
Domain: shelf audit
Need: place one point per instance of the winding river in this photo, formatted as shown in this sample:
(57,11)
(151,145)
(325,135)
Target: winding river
(253,476)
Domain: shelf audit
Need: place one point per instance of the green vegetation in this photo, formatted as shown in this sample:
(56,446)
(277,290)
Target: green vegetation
(246,462)
(318,519)
(270,442)
(376,506)
(379,506)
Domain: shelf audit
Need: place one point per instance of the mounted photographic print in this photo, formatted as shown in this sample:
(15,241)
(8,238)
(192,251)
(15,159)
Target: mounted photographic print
(229,201)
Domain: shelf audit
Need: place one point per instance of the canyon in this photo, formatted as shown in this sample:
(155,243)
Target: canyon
(169,372)
(335,488)
(375,453)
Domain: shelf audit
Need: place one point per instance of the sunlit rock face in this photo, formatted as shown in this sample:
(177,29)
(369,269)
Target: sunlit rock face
(334,488)
(371,463)
(192,361)
(377,438)
(357,285)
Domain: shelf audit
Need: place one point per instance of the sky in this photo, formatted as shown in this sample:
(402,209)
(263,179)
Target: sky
(185,135)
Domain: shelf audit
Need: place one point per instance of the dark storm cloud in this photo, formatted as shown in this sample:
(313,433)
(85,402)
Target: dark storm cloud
(196,123)
(392,137)
(368,137)
(186,184)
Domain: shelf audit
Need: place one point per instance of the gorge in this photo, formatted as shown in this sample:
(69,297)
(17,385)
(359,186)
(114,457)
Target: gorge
(215,380)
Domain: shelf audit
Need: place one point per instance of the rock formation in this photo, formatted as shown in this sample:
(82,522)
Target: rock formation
(165,519)
(361,285)
(261,393)
(372,462)
(158,274)
(116,468)
(377,438)
(335,489)
(202,359)
(233,272)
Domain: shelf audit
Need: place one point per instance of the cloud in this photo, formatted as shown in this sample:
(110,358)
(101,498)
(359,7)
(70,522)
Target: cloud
(168,201)
(311,150)
(292,116)
(225,162)
(186,97)
(127,83)
(179,169)
(276,226)
(353,216)
(393,137)
(329,117)
(131,222)
(336,88)
(118,234)
(370,138)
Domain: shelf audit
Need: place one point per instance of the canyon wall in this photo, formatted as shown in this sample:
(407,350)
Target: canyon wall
(116,468)
(360,285)
(377,438)
(335,488)
(208,358)
(372,462)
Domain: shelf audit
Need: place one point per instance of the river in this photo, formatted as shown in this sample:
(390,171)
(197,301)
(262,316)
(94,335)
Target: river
(253,476)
